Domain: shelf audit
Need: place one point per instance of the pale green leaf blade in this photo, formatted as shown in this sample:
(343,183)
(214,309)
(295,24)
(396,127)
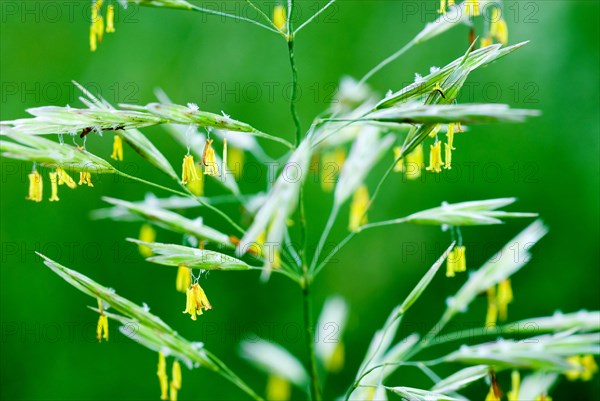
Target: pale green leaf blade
(461,379)
(194,258)
(174,221)
(424,282)
(273,359)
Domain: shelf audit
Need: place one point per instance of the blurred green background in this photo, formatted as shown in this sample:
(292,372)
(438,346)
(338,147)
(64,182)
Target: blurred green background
(550,163)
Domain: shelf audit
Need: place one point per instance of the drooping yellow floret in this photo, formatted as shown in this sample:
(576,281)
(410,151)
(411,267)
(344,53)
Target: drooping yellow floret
(85,177)
(472,8)
(451,263)
(163,379)
(188,170)
(279,17)
(257,247)
(54,187)
(414,163)
(110,19)
(196,300)
(498,27)
(486,41)
(278,388)
(93,26)
(235,161)
(184,278)
(461,258)
(492,396)
(36,186)
(447,157)
(331,166)
(93,39)
(209,161)
(456,261)
(589,367)
(491,316)
(584,367)
(358,208)
(147,234)
(196,186)
(505,296)
(175,381)
(99,28)
(450,135)
(276,259)
(515,380)
(435,157)
(176,375)
(442,9)
(335,363)
(65,178)
(117,153)
(102,328)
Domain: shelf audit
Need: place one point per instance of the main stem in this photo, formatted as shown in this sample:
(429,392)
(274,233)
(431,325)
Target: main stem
(315,390)
(294,96)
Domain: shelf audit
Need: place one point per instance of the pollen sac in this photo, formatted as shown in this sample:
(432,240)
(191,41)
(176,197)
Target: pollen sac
(188,170)
(54,187)
(196,300)
(85,178)
(102,328)
(65,178)
(435,157)
(117,153)
(184,279)
(36,186)
(209,160)
(358,208)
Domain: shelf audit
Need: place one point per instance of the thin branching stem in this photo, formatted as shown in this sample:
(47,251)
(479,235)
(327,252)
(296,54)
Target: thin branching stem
(331,254)
(285,270)
(364,227)
(294,97)
(262,14)
(153,184)
(417,364)
(381,339)
(214,209)
(315,15)
(432,334)
(315,390)
(235,17)
(429,372)
(363,80)
(273,138)
(383,223)
(385,62)
(330,221)
(187,194)
(470,334)
(232,377)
